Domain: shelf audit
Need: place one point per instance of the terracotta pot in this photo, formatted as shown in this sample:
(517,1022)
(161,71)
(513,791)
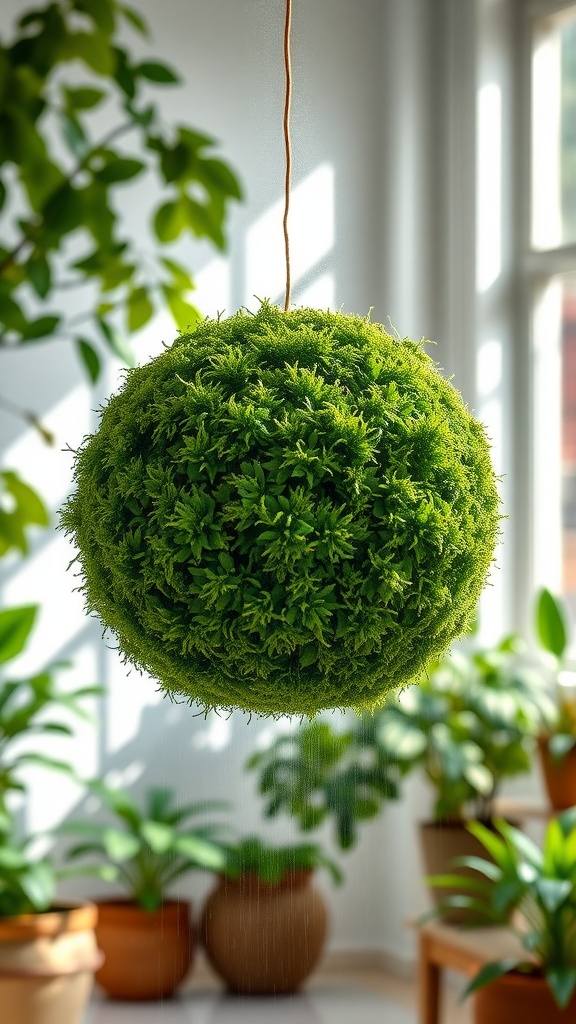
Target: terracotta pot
(263,938)
(47,964)
(441,843)
(559,776)
(520,997)
(147,954)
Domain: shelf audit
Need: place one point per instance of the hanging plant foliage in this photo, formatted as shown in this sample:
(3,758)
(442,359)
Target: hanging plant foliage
(285,512)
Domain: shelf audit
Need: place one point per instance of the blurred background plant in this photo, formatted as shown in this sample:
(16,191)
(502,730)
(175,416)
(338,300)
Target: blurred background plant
(147,849)
(553,635)
(467,726)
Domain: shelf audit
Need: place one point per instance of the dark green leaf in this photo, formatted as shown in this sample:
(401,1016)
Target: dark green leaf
(490,972)
(74,135)
(120,169)
(217,176)
(101,12)
(83,98)
(562,981)
(115,342)
(40,328)
(90,359)
(3,194)
(39,275)
(15,627)
(156,72)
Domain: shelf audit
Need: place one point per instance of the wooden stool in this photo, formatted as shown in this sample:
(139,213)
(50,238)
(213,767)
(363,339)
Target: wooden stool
(460,949)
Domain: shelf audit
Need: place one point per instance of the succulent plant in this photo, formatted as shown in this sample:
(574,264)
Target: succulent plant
(285,512)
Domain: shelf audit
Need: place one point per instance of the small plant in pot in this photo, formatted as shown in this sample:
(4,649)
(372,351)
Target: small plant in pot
(467,728)
(532,892)
(557,745)
(264,924)
(146,936)
(48,951)
(317,773)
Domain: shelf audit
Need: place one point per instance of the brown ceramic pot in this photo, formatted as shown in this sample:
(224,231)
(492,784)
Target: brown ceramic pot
(147,954)
(441,843)
(264,938)
(559,776)
(47,964)
(520,997)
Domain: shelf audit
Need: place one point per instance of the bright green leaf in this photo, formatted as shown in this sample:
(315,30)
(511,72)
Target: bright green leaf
(15,627)
(551,624)
(139,309)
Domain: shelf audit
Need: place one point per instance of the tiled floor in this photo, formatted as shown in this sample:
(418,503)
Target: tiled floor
(365,996)
(347,1005)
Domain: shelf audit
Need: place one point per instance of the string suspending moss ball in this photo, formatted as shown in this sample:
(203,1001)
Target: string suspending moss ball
(284,512)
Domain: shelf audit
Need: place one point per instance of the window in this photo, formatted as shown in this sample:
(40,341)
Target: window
(551,265)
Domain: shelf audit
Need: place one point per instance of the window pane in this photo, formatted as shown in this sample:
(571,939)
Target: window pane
(554,130)
(569,441)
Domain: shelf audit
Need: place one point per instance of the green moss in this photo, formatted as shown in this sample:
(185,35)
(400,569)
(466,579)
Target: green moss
(285,512)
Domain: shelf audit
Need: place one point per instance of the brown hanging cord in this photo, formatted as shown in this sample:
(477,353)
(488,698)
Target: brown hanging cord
(287,144)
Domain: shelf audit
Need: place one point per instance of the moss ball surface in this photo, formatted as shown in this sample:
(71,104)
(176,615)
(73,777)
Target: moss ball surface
(285,512)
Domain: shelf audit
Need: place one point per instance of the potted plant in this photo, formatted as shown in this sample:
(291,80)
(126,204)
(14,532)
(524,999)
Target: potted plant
(146,936)
(316,773)
(48,951)
(264,924)
(466,727)
(532,892)
(557,745)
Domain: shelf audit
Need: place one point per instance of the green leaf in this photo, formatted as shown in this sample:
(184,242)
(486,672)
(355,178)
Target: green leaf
(134,18)
(29,506)
(551,624)
(490,972)
(15,627)
(553,892)
(92,48)
(90,359)
(156,72)
(169,221)
(562,981)
(3,194)
(42,761)
(83,98)
(41,328)
(184,313)
(201,852)
(218,177)
(39,275)
(120,169)
(120,846)
(38,885)
(180,276)
(101,12)
(115,342)
(139,309)
(158,835)
(74,135)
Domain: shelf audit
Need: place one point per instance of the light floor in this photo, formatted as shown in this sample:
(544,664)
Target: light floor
(358,997)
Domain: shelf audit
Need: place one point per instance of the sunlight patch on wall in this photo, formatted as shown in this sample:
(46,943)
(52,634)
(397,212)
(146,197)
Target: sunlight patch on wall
(489,186)
(216,736)
(129,696)
(321,294)
(312,232)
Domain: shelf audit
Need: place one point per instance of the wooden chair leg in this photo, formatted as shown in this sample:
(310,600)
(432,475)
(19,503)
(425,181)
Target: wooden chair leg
(428,986)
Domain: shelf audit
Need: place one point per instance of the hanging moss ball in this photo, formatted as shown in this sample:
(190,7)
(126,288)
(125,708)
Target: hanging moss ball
(285,512)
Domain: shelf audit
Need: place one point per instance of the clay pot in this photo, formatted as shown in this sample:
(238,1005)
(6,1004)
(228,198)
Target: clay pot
(261,937)
(520,997)
(441,843)
(559,776)
(147,954)
(47,964)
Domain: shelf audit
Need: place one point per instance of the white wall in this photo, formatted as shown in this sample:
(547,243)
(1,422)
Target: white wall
(369,230)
